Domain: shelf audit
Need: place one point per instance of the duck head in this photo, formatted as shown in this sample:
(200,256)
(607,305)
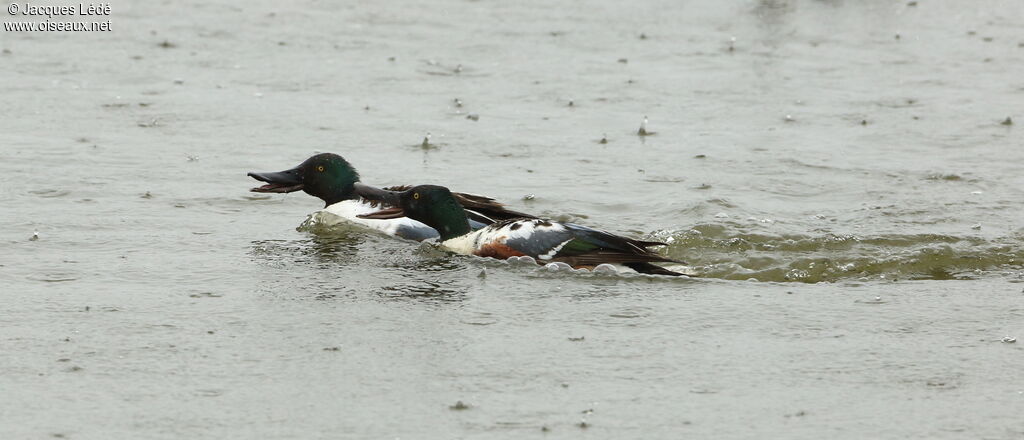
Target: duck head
(433,205)
(327,176)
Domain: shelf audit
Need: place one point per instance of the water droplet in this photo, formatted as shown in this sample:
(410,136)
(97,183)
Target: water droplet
(605,268)
(521,260)
(557,266)
(643,128)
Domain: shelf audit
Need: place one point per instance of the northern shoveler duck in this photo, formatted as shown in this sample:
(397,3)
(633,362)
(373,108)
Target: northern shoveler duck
(331,178)
(543,240)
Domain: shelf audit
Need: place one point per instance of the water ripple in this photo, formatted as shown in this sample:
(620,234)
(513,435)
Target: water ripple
(720,252)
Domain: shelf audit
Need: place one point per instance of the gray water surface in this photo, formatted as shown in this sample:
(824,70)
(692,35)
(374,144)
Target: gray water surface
(843,175)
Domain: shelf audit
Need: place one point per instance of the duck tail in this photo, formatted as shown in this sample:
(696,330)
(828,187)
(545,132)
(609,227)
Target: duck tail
(644,243)
(652,269)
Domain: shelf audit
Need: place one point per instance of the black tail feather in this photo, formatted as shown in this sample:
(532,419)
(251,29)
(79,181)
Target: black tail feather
(652,269)
(645,244)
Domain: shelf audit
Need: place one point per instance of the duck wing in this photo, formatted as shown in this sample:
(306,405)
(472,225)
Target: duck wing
(481,209)
(572,244)
(613,241)
(487,208)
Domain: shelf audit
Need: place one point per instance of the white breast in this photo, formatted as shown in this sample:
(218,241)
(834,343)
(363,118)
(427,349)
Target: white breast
(466,244)
(469,243)
(349,210)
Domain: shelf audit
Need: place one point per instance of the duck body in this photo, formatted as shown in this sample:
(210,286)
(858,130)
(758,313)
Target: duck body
(349,211)
(543,240)
(553,242)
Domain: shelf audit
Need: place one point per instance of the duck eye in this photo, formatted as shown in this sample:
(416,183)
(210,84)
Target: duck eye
(320,168)
(416,195)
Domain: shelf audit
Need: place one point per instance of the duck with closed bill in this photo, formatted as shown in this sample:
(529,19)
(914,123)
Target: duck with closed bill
(331,178)
(543,240)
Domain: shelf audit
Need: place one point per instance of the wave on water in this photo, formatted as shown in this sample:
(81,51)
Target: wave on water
(730,253)
(717,251)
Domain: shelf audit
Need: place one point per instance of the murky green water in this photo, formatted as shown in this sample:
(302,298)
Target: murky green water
(839,172)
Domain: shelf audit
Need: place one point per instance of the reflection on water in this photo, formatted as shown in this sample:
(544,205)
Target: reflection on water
(326,261)
(335,249)
(435,290)
(428,274)
(772,17)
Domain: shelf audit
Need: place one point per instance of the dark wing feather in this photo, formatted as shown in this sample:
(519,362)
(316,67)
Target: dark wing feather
(612,241)
(591,247)
(478,208)
(599,256)
(646,244)
(487,208)
(652,269)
